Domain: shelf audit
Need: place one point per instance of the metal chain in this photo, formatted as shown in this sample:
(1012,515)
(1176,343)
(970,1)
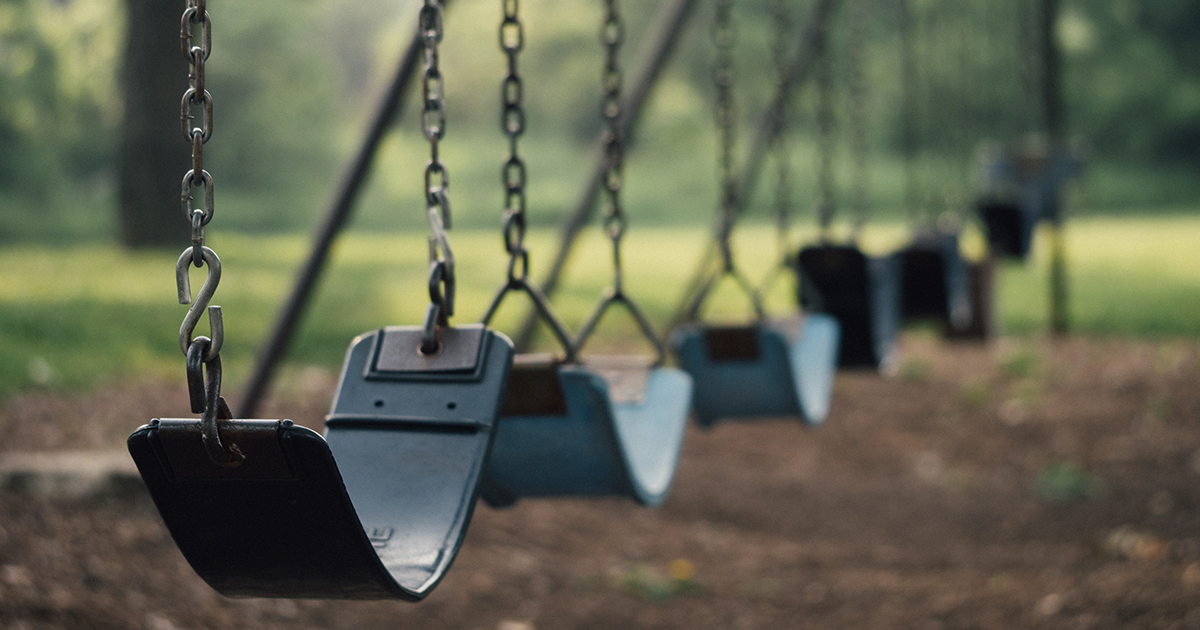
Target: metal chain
(783,187)
(513,177)
(203,354)
(723,39)
(195,42)
(612,34)
(437,181)
(512,121)
(859,112)
(824,78)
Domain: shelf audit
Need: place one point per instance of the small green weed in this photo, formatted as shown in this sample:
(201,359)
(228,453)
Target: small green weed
(1159,407)
(647,582)
(1022,363)
(1066,481)
(975,394)
(916,370)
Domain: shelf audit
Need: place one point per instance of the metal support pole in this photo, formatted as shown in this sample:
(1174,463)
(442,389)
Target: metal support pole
(769,124)
(654,53)
(340,210)
(1055,129)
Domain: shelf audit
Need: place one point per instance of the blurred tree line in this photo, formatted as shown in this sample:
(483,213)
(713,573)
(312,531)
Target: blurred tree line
(295,81)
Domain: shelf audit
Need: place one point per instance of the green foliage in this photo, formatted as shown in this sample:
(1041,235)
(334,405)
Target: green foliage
(295,84)
(1134,77)
(57,111)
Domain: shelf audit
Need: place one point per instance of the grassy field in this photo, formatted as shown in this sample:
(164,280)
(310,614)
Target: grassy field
(79,316)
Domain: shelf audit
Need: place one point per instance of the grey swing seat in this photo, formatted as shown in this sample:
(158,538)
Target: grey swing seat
(377,508)
(762,369)
(609,426)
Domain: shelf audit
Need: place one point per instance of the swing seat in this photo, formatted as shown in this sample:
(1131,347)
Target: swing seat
(376,509)
(861,292)
(983,308)
(936,281)
(567,430)
(761,371)
(1008,227)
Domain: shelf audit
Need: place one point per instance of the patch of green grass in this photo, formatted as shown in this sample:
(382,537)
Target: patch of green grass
(79,316)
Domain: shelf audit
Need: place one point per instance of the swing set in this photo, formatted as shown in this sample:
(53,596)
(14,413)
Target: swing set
(429,418)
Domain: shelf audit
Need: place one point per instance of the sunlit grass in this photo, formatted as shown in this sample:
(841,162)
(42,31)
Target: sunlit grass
(96,314)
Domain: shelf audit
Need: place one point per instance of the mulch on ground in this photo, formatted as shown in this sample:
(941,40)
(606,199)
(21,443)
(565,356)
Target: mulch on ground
(1028,484)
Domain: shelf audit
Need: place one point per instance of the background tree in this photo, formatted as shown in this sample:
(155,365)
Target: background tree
(150,158)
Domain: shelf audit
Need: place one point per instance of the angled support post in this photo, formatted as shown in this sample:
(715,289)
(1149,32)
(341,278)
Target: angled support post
(1056,130)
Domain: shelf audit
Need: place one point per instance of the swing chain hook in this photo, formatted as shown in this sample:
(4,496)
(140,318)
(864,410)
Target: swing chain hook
(184,286)
(204,387)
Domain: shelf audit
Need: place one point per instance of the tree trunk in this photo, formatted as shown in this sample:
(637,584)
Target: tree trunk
(153,156)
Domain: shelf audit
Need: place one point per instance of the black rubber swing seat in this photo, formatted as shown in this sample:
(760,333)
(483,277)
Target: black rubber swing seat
(376,509)
(604,428)
(1008,227)
(935,280)
(862,292)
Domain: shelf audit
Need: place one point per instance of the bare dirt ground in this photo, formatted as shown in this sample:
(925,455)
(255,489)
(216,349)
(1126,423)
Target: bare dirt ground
(1031,484)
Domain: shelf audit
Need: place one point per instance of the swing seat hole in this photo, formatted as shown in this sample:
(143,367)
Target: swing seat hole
(452,405)
(431,350)
(379,402)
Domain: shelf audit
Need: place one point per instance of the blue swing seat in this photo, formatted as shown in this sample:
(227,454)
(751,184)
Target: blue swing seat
(862,292)
(567,430)
(936,280)
(761,370)
(376,509)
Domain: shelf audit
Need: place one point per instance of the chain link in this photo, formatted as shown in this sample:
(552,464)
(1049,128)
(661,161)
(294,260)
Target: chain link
(437,180)
(195,42)
(203,354)
(196,189)
(512,122)
(723,39)
(612,35)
